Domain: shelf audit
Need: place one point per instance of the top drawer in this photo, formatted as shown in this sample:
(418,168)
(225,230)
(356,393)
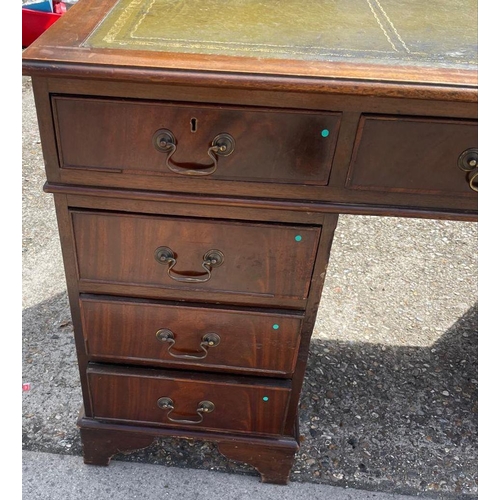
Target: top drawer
(214,142)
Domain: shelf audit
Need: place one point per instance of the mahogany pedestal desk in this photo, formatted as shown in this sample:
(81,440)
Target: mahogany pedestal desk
(199,154)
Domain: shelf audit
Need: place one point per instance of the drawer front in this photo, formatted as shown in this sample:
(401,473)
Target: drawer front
(139,396)
(190,337)
(269,146)
(190,254)
(412,155)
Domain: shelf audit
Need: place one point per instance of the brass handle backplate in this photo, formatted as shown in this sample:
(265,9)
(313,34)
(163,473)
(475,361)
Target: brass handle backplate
(165,142)
(208,340)
(468,162)
(166,403)
(211,259)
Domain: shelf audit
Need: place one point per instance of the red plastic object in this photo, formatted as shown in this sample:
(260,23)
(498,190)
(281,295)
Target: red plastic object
(59,6)
(35,23)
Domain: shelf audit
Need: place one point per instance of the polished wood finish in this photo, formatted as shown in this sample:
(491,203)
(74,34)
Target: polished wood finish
(270,146)
(164,203)
(373,128)
(272,458)
(267,260)
(62,52)
(253,342)
(273,462)
(100,446)
(423,155)
(243,404)
(290,185)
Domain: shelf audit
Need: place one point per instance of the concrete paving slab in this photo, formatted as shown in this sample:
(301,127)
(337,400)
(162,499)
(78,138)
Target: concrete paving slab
(49,477)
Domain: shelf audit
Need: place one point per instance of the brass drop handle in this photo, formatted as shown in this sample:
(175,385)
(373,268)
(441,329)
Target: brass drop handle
(165,142)
(211,259)
(203,407)
(208,340)
(473,179)
(468,162)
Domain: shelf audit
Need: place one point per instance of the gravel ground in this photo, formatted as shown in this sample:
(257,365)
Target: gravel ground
(390,394)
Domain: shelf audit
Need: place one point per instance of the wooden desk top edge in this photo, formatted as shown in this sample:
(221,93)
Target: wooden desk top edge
(60,52)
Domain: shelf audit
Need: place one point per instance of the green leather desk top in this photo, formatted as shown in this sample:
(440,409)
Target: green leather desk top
(416,32)
(412,48)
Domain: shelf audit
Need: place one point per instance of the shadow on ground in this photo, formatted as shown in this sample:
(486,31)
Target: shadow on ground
(376,417)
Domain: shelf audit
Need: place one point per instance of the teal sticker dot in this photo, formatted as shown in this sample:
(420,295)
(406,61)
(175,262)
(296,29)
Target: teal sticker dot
(276,326)
(298,238)
(325,132)
(265,398)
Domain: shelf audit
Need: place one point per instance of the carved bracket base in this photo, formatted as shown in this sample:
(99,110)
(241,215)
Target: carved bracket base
(273,458)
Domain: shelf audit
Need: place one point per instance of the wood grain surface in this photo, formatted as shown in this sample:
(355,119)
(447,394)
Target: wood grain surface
(277,146)
(266,260)
(243,405)
(124,331)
